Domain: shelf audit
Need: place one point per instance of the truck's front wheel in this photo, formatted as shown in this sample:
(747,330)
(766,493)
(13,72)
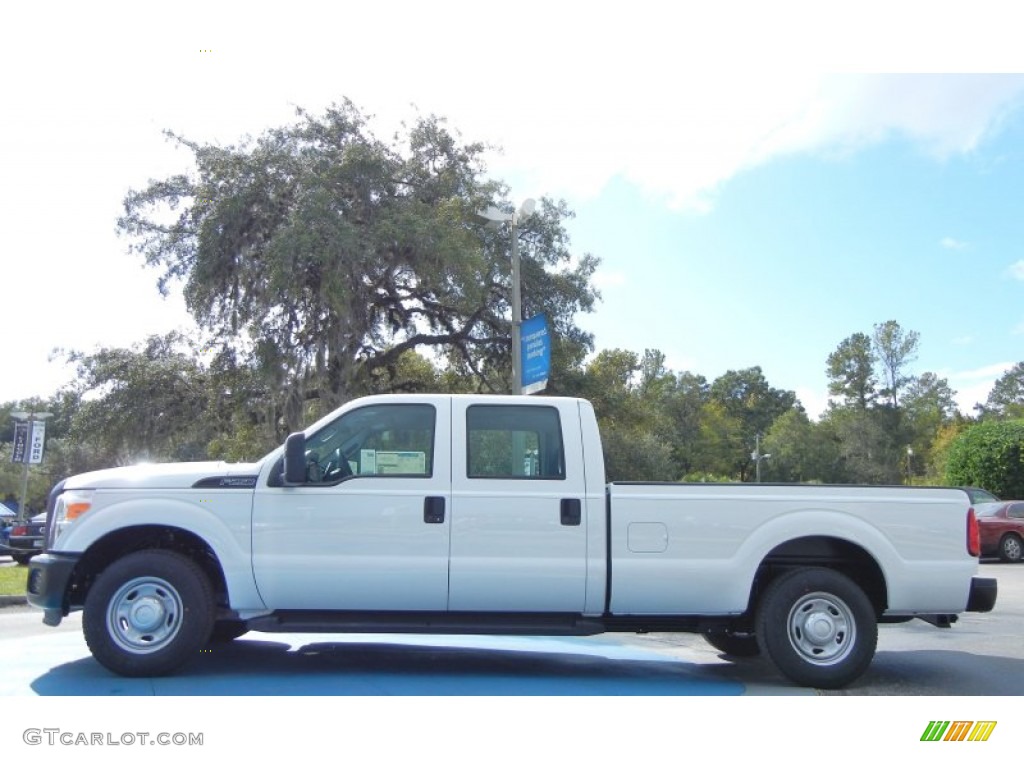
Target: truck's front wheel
(818,627)
(148,613)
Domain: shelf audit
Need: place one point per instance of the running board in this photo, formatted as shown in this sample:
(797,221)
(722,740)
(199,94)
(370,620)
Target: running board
(429,623)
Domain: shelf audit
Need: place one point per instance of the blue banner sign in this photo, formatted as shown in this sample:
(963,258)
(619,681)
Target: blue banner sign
(535,346)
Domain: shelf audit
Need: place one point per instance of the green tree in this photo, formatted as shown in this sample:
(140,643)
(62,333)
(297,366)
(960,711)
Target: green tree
(750,403)
(1006,400)
(989,455)
(322,255)
(616,382)
(801,450)
(679,423)
(151,402)
(894,349)
(851,372)
(869,453)
(928,405)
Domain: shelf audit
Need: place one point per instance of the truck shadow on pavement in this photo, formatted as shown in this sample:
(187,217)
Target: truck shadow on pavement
(354,668)
(938,673)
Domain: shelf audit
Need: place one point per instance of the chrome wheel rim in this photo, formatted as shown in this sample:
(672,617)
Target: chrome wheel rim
(1012,549)
(822,629)
(144,615)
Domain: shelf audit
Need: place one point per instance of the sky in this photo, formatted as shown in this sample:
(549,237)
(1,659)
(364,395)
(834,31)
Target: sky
(758,183)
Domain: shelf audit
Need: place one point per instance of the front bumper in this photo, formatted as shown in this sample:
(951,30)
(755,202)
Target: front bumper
(48,578)
(983,595)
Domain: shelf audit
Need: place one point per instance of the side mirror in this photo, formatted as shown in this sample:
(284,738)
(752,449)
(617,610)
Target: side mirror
(295,459)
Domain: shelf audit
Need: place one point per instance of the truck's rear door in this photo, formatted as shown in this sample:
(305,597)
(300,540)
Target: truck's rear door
(519,522)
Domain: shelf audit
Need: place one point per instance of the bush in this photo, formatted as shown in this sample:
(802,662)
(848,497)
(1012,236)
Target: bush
(989,455)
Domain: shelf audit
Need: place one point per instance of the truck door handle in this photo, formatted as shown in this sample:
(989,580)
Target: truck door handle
(571,512)
(433,509)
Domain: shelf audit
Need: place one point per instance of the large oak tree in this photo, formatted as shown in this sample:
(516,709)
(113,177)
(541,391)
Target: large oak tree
(322,255)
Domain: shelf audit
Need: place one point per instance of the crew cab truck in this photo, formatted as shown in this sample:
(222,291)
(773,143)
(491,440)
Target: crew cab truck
(490,515)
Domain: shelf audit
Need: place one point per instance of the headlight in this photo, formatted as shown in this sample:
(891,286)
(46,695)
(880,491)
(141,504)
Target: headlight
(71,505)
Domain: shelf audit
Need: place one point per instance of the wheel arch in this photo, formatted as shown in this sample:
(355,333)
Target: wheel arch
(125,541)
(841,555)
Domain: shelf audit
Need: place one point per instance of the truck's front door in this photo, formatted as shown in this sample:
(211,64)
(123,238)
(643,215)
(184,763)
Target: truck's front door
(369,530)
(519,522)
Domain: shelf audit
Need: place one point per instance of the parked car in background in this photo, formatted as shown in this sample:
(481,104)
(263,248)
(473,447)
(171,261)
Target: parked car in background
(1002,530)
(6,516)
(26,538)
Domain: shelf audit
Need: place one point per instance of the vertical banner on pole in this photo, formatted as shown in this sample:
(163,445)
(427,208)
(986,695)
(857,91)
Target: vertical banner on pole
(36,442)
(536,354)
(20,452)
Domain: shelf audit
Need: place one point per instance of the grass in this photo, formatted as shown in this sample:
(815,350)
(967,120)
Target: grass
(12,580)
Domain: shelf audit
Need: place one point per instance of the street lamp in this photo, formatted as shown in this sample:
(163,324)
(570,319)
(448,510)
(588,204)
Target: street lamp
(757,456)
(495,217)
(910,455)
(28,417)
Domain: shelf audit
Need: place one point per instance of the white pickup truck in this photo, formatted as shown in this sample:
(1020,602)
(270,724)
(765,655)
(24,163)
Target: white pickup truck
(490,515)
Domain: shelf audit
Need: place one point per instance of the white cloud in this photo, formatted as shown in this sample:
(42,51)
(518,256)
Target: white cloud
(962,341)
(952,244)
(973,386)
(1016,271)
(814,401)
(1018,329)
(681,141)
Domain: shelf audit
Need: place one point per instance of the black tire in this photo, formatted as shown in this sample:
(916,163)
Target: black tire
(1010,549)
(227,630)
(22,559)
(739,644)
(818,627)
(148,613)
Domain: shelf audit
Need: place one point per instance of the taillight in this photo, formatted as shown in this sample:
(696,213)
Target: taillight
(19,530)
(973,534)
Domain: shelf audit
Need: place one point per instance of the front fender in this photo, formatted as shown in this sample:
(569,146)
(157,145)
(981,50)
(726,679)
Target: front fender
(220,518)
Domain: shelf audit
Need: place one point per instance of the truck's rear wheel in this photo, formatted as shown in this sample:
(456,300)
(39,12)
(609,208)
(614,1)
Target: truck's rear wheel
(740,644)
(148,613)
(818,627)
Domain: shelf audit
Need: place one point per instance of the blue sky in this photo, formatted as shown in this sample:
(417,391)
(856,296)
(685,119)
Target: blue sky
(797,254)
(748,207)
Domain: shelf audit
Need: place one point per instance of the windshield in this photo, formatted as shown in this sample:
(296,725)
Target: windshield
(980,495)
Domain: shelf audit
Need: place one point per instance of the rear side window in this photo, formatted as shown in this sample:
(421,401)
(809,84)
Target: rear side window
(1016,510)
(514,441)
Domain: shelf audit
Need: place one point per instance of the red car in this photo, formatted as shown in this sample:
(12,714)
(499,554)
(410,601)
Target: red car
(1002,529)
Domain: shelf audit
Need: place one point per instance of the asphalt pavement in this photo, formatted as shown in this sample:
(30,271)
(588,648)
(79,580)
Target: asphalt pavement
(980,656)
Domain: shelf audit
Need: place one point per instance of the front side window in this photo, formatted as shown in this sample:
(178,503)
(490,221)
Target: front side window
(376,440)
(514,441)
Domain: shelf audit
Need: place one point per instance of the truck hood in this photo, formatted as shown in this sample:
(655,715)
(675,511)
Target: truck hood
(193,474)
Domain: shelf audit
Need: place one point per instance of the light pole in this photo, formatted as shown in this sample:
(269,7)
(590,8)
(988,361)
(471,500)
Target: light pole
(494,216)
(757,456)
(910,455)
(28,417)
